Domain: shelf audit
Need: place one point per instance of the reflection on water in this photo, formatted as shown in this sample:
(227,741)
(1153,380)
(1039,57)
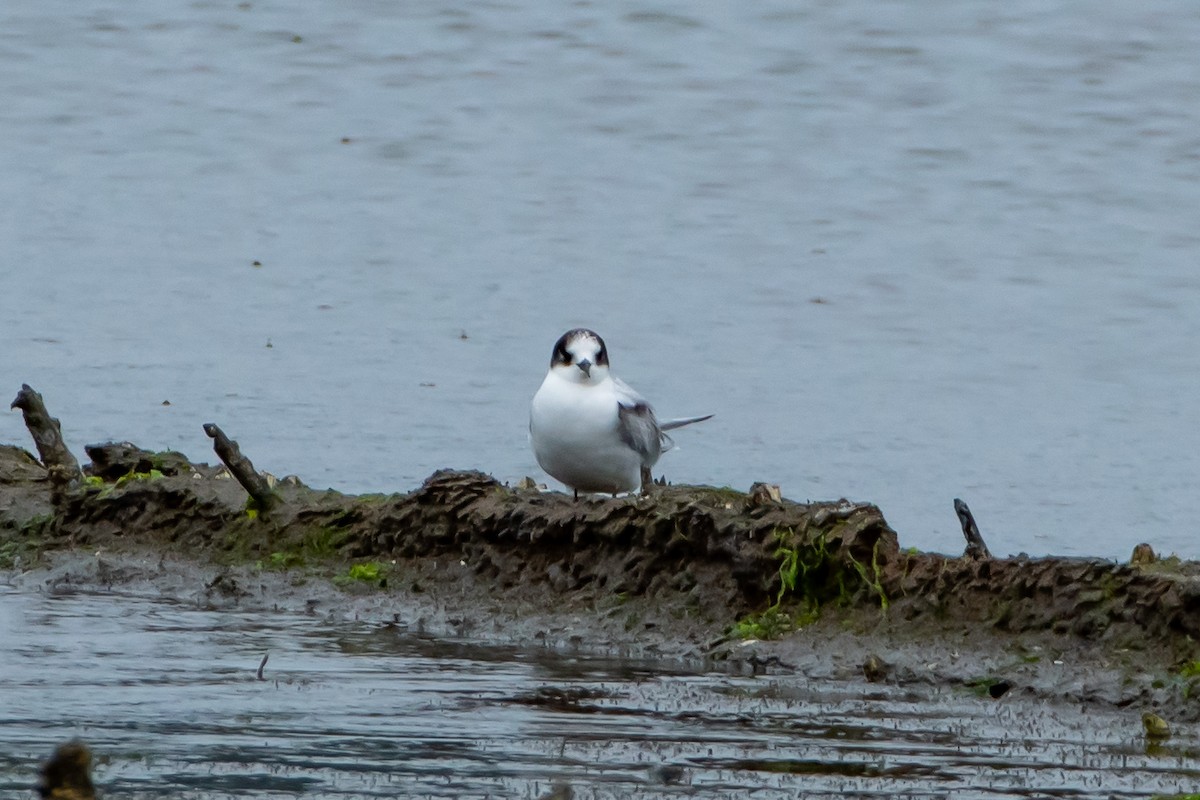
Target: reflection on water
(166,694)
(904,255)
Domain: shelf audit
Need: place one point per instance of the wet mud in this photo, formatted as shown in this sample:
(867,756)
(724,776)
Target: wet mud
(167,696)
(759,584)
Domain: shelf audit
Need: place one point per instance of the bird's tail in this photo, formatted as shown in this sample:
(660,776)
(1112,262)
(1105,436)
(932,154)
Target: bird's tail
(672,424)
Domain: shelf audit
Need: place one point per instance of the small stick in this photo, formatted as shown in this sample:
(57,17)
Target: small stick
(241,468)
(975,546)
(47,435)
(262,664)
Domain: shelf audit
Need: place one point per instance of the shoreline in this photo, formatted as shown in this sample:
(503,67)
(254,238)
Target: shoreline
(715,578)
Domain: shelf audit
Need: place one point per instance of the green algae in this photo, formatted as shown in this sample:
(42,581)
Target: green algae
(1190,670)
(811,576)
(315,547)
(372,572)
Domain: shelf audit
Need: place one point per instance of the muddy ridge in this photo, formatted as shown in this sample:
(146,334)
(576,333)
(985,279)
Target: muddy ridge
(723,551)
(713,549)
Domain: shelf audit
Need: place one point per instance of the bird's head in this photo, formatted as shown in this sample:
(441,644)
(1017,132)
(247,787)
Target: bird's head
(580,357)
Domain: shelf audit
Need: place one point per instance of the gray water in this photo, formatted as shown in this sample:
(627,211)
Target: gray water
(905,252)
(166,696)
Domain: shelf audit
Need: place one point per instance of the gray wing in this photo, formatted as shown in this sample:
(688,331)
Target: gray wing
(639,430)
(637,425)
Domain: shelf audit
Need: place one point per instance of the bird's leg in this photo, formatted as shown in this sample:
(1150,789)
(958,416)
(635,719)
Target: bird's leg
(576,494)
(647,480)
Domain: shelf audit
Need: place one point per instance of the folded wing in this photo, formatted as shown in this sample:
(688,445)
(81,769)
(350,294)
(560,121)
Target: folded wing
(640,429)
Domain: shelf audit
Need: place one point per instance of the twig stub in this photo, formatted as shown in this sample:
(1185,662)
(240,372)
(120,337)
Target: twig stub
(46,431)
(241,468)
(975,546)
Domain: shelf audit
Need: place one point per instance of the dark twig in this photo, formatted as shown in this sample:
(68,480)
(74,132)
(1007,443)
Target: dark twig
(975,546)
(47,435)
(262,664)
(241,468)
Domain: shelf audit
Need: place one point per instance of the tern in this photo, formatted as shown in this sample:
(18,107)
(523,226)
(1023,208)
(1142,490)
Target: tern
(591,430)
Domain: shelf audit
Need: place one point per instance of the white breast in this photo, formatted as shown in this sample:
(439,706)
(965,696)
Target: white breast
(573,428)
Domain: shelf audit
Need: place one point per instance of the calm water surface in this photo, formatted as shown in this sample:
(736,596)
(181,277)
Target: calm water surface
(905,253)
(166,695)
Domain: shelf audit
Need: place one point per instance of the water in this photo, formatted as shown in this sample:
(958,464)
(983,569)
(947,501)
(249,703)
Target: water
(166,695)
(905,254)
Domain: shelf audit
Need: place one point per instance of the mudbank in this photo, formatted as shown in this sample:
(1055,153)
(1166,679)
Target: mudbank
(716,555)
(820,588)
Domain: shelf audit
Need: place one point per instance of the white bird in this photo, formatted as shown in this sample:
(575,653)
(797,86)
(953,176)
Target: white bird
(591,430)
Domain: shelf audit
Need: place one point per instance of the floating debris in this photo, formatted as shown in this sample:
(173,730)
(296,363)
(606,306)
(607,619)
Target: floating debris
(999,689)
(560,791)
(67,775)
(1156,727)
(875,669)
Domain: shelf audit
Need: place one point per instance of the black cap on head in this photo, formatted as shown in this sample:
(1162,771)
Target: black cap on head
(562,355)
